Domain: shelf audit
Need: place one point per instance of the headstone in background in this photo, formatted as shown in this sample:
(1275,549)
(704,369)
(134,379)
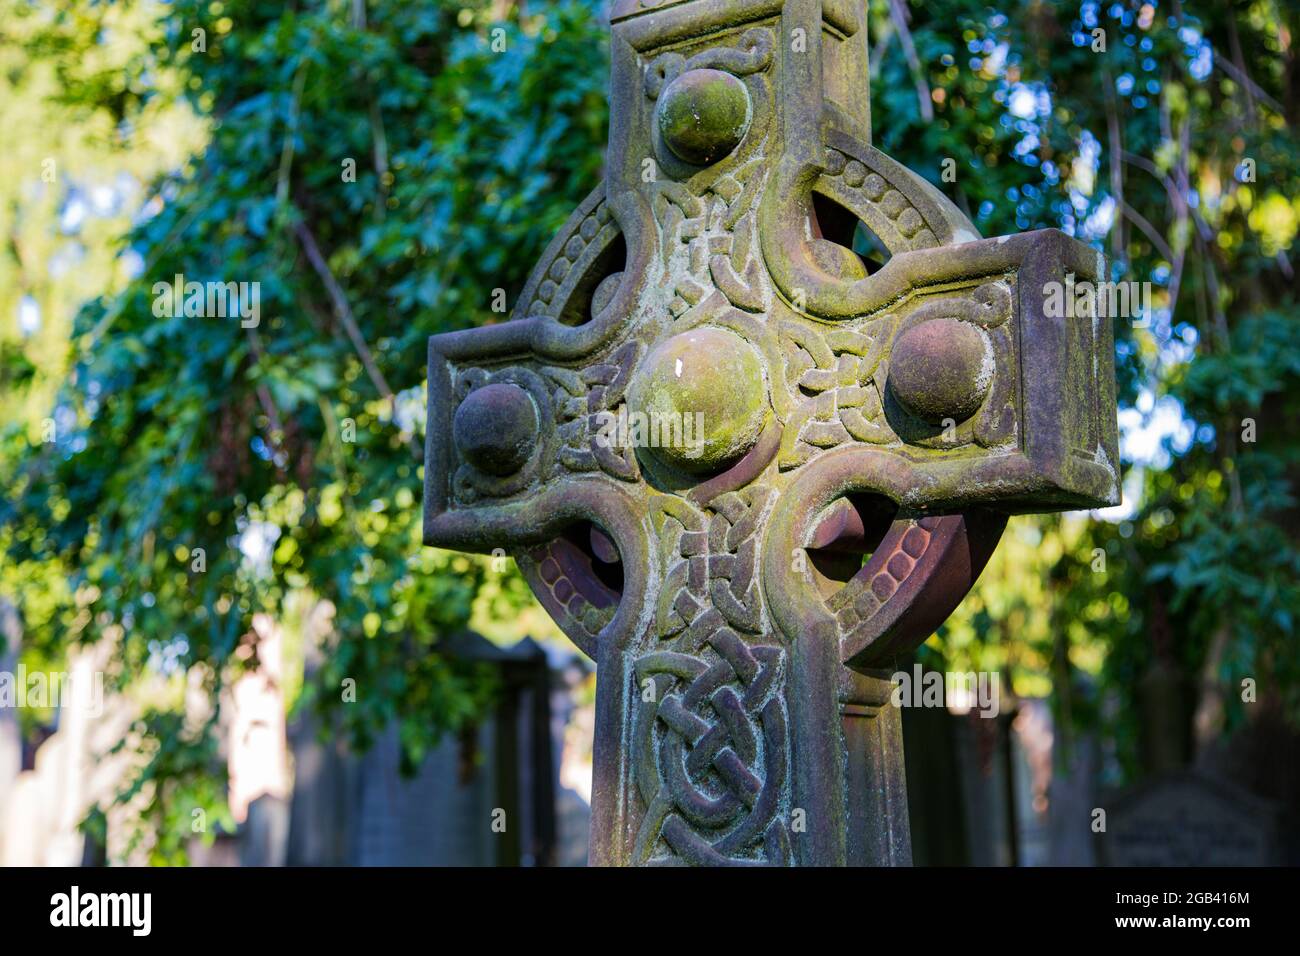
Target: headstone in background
(573,828)
(361,810)
(1263,755)
(572,725)
(1055,789)
(264,834)
(1189,819)
(326,776)
(1072,796)
(963,794)
(439,817)
(934,797)
(984,752)
(343,810)
(225,850)
(326,780)
(998,792)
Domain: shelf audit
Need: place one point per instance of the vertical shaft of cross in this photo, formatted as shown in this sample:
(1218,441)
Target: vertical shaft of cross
(877,831)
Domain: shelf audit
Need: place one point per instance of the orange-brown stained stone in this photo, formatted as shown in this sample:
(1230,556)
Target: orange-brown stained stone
(941,369)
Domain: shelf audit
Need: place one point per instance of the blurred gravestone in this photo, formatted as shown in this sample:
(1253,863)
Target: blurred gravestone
(572,728)
(484,798)
(361,810)
(1189,819)
(984,754)
(326,777)
(439,817)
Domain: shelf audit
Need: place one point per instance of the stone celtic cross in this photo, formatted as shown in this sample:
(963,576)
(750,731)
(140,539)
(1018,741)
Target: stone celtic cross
(863,430)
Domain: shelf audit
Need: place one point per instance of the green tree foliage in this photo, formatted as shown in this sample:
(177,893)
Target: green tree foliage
(1165,134)
(81,151)
(208,469)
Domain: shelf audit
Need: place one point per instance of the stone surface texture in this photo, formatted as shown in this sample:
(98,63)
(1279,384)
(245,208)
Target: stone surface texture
(867,431)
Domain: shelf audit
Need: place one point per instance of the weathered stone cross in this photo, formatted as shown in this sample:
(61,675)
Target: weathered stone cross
(745,587)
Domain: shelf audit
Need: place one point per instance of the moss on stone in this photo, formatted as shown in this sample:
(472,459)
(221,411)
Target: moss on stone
(712,379)
(703,115)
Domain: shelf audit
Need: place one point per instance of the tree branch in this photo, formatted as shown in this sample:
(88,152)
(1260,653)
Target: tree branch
(898,13)
(344,313)
(1243,79)
(1149,230)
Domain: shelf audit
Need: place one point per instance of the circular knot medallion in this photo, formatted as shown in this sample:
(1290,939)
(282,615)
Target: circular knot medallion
(941,369)
(708,385)
(495,428)
(703,115)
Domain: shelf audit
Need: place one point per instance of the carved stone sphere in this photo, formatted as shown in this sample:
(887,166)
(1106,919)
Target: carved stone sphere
(495,428)
(703,115)
(707,382)
(941,369)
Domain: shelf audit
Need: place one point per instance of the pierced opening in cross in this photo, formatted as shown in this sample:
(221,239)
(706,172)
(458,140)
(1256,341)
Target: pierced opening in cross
(844,539)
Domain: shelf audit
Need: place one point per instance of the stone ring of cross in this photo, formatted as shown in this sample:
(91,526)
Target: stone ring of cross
(753,430)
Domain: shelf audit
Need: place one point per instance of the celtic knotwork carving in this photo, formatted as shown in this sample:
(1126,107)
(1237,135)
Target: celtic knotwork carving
(684,549)
(733,555)
(680,215)
(573,452)
(608,381)
(842,375)
(722,250)
(987,305)
(754,55)
(734,262)
(588,403)
(839,370)
(712,755)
